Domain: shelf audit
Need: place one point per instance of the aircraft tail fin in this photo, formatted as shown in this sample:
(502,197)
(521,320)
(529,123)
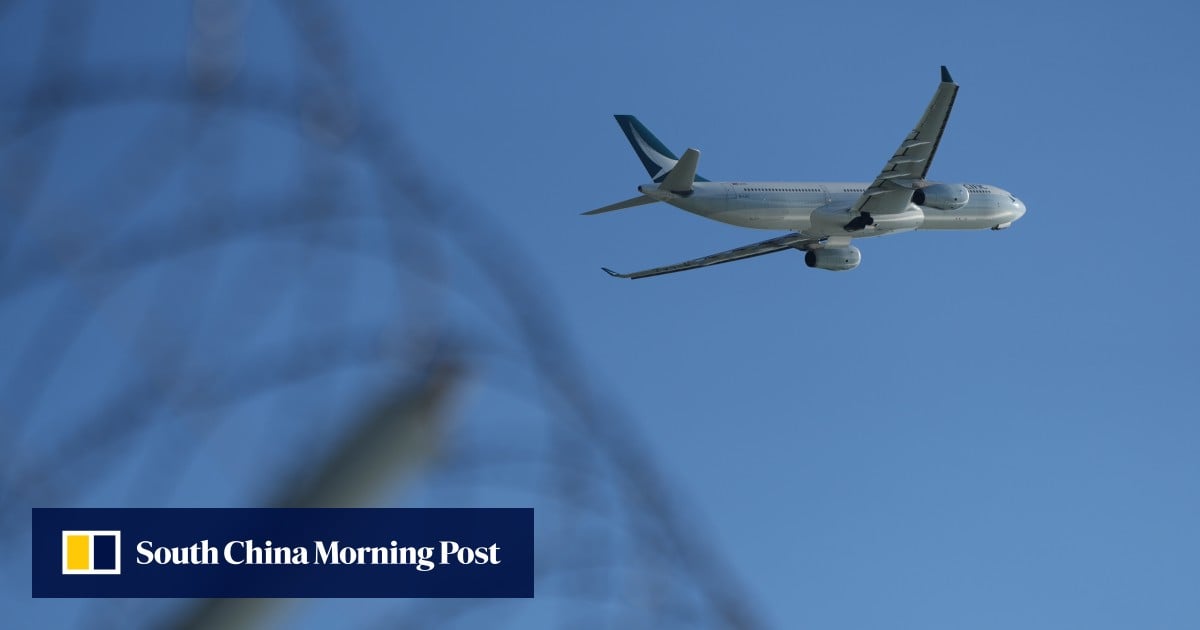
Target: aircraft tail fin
(655,156)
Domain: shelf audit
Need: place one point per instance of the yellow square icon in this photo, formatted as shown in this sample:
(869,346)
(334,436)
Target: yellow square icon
(79,552)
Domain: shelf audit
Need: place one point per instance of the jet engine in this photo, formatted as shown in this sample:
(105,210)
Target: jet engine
(833,258)
(942,196)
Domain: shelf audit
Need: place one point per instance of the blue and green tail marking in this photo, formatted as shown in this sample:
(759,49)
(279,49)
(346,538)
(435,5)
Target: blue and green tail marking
(655,156)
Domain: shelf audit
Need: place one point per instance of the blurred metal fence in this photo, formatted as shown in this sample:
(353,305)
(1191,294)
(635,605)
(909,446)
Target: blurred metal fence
(229,285)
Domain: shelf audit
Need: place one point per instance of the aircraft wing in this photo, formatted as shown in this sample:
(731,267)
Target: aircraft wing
(892,188)
(795,240)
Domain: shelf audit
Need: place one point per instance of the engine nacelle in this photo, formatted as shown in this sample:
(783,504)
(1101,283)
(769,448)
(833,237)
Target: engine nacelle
(942,196)
(833,258)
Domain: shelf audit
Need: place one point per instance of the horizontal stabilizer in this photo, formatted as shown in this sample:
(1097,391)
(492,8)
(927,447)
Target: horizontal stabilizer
(639,200)
(680,179)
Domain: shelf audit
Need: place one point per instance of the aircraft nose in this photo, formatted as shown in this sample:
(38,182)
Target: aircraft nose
(1018,208)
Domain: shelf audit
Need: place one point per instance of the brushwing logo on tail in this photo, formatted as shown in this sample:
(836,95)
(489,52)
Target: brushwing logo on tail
(665,164)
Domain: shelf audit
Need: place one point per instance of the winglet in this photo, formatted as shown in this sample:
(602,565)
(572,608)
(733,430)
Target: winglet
(613,273)
(946,76)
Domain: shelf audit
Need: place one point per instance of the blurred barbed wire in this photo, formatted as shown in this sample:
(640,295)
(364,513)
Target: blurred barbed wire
(231,283)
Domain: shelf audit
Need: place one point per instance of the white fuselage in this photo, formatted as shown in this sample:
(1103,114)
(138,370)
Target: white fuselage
(823,208)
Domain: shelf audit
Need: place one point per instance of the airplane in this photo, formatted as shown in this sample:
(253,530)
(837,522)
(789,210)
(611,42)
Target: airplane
(824,217)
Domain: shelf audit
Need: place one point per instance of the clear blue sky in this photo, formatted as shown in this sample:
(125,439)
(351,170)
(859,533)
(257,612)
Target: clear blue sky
(983,430)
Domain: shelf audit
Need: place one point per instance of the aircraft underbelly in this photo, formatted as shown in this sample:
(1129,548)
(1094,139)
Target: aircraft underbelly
(965,219)
(832,221)
(760,214)
(772,218)
(769,218)
(976,216)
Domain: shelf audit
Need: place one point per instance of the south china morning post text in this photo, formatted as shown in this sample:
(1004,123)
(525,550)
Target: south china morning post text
(400,552)
(236,552)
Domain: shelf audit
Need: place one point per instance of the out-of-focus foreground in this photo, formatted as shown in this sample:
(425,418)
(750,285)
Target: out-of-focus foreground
(227,282)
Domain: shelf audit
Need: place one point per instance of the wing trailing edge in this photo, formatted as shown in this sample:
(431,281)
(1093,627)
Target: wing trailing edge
(795,240)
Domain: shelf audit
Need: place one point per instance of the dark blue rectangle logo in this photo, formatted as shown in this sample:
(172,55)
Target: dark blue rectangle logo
(104,552)
(398,552)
